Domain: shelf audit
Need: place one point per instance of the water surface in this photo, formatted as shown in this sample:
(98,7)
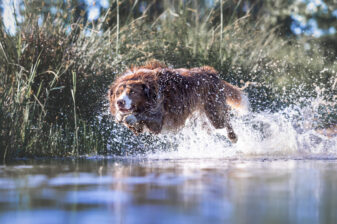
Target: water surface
(186,190)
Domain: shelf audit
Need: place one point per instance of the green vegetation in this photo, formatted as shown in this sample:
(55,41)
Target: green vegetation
(55,70)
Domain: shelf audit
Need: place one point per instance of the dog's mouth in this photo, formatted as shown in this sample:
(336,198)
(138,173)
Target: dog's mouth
(126,111)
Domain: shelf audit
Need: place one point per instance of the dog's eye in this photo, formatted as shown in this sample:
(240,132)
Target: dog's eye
(132,92)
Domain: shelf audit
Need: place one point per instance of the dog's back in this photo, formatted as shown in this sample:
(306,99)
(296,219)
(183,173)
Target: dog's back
(187,90)
(195,86)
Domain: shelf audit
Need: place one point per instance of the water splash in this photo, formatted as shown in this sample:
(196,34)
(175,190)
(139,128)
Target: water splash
(293,132)
(263,134)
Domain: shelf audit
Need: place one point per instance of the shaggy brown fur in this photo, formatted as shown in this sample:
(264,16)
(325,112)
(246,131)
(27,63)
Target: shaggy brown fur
(163,98)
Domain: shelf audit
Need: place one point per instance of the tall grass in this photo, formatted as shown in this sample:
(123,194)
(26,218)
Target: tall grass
(73,94)
(55,75)
(47,72)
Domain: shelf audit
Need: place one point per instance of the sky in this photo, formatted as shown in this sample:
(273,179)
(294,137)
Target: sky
(8,14)
(13,6)
(299,26)
(94,9)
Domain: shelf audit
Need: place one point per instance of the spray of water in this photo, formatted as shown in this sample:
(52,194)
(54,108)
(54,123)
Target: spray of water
(261,134)
(292,132)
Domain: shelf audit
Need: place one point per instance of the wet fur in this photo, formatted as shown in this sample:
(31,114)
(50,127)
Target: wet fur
(170,96)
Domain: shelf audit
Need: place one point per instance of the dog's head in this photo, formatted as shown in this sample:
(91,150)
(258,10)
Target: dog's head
(129,96)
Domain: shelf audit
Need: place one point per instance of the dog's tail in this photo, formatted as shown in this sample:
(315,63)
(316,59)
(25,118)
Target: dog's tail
(236,99)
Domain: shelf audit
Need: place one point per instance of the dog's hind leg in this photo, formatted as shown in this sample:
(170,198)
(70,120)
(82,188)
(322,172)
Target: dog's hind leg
(219,118)
(230,132)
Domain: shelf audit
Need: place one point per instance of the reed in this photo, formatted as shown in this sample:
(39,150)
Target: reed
(73,94)
(117,28)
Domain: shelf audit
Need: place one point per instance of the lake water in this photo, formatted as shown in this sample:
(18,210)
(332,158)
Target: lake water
(158,190)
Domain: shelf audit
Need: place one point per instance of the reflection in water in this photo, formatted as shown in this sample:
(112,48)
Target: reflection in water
(114,190)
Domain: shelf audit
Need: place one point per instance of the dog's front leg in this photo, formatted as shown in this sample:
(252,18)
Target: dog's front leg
(153,121)
(134,124)
(131,120)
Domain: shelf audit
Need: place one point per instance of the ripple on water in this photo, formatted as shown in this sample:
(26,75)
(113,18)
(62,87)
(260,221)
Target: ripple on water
(6,183)
(79,179)
(100,196)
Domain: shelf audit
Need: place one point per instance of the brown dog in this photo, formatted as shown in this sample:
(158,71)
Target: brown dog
(160,98)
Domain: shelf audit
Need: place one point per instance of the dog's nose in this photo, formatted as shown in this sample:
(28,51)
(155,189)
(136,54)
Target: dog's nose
(121,103)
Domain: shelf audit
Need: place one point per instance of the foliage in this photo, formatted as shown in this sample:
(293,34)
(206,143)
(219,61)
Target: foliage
(37,105)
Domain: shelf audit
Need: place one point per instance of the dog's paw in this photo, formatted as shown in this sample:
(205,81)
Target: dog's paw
(232,136)
(133,124)
(131,120)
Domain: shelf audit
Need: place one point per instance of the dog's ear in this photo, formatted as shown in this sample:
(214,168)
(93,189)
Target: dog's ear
(146,90)
(150,92)
(111,91)
(111,98)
